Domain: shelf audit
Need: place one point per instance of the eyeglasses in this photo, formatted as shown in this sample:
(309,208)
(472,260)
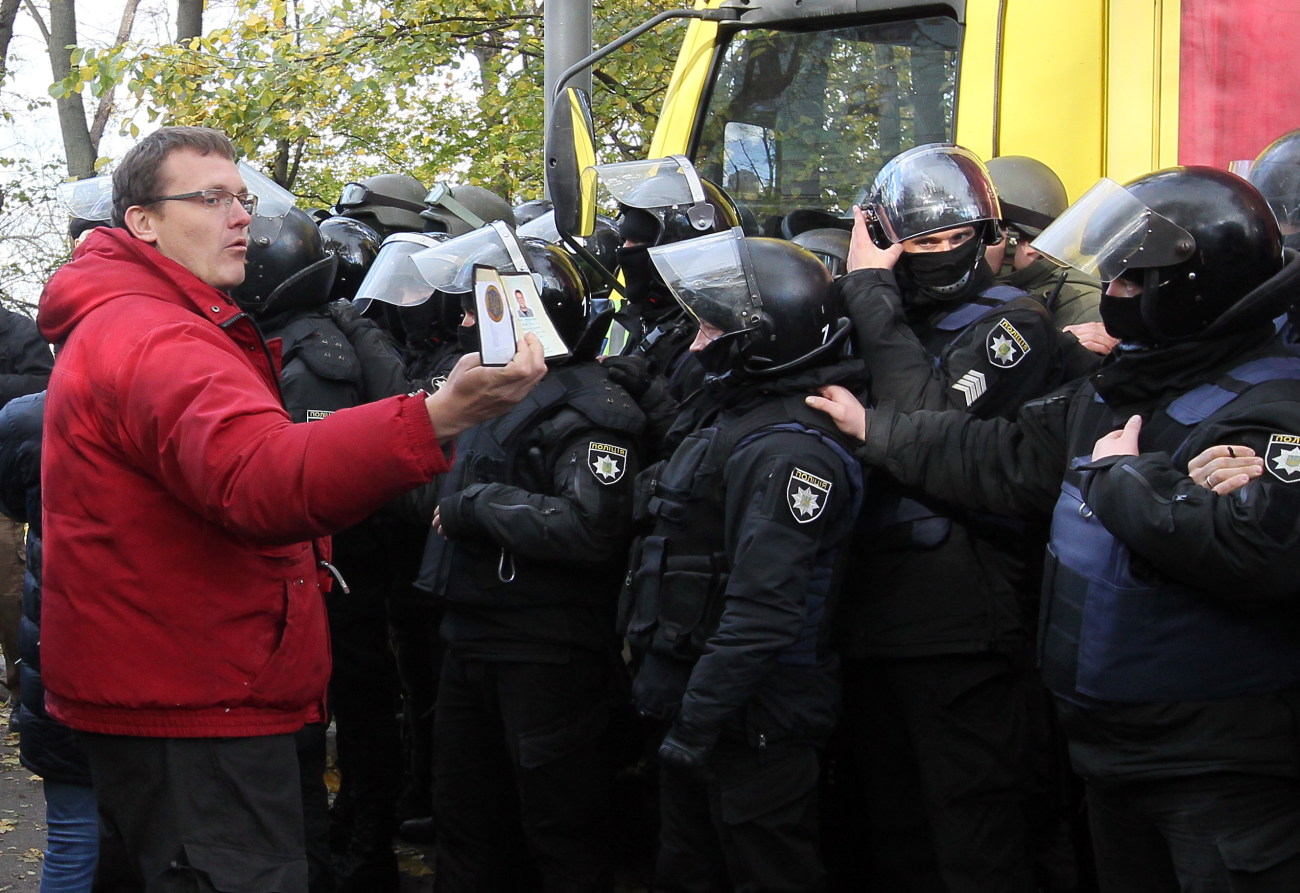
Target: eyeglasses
(214,199)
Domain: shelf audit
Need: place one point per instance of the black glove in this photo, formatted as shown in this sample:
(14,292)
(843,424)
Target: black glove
(686,751)
(632,374)
(344,315)
(455,511)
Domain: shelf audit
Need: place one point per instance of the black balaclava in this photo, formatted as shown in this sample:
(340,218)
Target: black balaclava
(944,273)
(1122,317)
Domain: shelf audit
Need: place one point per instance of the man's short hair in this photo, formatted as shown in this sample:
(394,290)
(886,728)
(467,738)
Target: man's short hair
(138,179)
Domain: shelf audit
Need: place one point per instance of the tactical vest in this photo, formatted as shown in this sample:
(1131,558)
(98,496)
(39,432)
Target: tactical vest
(913,520)
(674,592)
(1114,629)
(505,451)
(320,372)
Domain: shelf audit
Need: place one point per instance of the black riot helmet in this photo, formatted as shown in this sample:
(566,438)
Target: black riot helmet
(563,291)
(456,210)
(1196,239)
(771,300)
(830,245)
(389,203)
(1276,174)
(664,200)
(530,210)
(356,245)
(929,189)
(293,271)
(602,244)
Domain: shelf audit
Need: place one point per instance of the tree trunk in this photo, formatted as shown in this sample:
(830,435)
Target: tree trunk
(107,102)
(8,13)
(78,147)
(189,19)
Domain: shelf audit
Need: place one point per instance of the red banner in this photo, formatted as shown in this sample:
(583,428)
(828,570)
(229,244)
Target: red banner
(1239,80)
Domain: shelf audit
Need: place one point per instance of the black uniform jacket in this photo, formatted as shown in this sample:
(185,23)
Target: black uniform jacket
(1241,548)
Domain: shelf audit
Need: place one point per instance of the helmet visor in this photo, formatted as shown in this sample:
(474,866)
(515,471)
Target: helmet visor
(449,266)
(1109,230)
(711,278)
(930,189)
(655,184)
(273,203)
(90,199)
(393,277)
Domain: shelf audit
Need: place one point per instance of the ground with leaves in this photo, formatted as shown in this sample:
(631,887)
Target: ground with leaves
(22,818)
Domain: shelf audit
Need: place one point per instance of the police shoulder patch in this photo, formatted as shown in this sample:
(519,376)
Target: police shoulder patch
(1282,458)
(806,495)
(1006,346)
(606,461)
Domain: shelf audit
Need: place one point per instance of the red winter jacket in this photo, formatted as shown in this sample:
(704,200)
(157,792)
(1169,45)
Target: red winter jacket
(182,585)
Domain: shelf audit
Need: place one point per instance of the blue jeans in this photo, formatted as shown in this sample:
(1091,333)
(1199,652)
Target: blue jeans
(73,847)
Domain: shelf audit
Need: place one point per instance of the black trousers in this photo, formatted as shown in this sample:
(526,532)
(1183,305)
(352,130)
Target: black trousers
(200,814)
(1214,833)
(524,761)
(751,826)
(940,745)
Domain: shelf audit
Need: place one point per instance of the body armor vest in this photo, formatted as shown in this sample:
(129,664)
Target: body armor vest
(916,521)
(1113,628)
(674,593)
(506,450)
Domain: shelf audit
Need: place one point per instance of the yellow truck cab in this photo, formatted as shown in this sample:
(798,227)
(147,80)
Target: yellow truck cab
(798,103)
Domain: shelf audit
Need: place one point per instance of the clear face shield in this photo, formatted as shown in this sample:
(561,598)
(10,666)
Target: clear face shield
(929,189)
(273,203)
(89,199)
(1108,231)
(713,279)
(393,277)
(449,266)
(655,185)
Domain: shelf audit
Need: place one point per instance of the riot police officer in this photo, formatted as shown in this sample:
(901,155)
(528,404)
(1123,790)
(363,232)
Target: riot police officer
(936,633)
(731,591)
(527,555)
(332,360)
(1170,635)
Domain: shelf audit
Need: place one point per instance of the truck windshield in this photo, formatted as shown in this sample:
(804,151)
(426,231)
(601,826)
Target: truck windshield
(805,119)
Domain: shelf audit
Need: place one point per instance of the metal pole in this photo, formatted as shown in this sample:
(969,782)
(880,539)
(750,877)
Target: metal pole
(566,38)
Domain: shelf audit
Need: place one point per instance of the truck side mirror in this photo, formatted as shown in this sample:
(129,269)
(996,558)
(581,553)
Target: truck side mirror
(570,150)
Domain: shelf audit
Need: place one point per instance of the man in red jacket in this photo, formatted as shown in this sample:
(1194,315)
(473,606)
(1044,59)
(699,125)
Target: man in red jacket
(186,525)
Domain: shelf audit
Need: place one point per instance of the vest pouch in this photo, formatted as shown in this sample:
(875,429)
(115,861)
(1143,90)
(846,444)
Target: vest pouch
(643,490)
(638,603)
(691,603)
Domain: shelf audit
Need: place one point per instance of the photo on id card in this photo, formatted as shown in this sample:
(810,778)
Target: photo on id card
(530,315)
(496,324)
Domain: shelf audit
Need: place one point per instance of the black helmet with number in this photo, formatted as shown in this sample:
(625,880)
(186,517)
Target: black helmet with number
(771,300)
(1198,240)
(356,245)
(291,272)
(389,203)
(1275,172)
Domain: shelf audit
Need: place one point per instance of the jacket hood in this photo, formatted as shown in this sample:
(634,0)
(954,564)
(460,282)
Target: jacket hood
(110,264)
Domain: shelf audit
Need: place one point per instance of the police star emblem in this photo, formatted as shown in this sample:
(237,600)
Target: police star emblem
(1282,458)
(1006,346)
(806,495)
(606,461)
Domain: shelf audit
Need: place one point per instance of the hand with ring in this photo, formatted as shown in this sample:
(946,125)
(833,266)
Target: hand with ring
(1224,468)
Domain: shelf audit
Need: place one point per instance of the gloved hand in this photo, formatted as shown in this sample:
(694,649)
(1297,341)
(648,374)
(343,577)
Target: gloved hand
(687,751)
(344,315)
(632,374)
